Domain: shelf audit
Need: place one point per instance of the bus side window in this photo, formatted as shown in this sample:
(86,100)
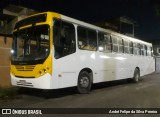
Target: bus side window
(82,37)
(87,39)
(126,48)
(64,38)
(121,45)
(92,39)
(114,43)
(139,49)
(108,44)
(131,47)
(104,42)
(101,42)
(145,50)
(56,31)
(142,49)
(149,51)
(135,49)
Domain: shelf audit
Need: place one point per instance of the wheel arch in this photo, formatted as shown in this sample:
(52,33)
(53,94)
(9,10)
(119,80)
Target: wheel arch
(89,71)
(138,70)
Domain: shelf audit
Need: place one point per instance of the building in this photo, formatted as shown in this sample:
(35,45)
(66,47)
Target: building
(9,16)
(156,47)
(123,25)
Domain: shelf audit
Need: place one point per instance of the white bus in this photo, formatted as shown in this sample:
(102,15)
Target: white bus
(52,51)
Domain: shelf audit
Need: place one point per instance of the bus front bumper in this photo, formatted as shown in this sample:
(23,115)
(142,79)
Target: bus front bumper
(42,82)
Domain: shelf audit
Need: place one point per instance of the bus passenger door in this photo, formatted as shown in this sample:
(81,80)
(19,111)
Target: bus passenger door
(64,63)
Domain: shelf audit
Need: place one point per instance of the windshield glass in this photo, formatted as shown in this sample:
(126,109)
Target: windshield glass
(31,43)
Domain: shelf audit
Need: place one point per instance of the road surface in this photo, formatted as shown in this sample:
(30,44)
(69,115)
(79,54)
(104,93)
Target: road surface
(115,94)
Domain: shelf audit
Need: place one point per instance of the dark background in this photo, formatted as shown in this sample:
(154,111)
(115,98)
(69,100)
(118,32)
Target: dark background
(142,11)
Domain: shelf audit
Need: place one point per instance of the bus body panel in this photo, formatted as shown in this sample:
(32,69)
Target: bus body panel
(111,66)
(43,82)
(64,71)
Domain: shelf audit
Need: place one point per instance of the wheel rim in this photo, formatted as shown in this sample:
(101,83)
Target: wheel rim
(84,82)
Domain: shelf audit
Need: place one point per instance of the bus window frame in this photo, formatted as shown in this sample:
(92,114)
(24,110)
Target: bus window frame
(114,44)
(61,20)
(87,30)
(104,33)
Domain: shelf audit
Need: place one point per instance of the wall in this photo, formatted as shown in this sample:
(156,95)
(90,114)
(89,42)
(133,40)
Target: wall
(5,61)
(157,64)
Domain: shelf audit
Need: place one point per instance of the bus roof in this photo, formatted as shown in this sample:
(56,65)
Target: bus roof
(102,29)
(78,22)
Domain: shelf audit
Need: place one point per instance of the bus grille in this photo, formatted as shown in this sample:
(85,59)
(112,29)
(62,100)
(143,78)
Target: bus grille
(25,68)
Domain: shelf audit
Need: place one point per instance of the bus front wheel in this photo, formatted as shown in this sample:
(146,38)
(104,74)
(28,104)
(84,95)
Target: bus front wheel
(84,82)
(136,75)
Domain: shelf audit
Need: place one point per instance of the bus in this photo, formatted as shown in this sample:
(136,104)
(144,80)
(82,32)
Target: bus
(52,51)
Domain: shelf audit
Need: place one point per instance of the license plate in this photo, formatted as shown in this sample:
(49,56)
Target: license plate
(22,82)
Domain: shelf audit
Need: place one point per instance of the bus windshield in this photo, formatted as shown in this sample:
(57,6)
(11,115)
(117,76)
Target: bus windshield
(31,43)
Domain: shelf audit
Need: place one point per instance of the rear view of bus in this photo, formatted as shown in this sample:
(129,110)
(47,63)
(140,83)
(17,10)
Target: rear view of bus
(31,61)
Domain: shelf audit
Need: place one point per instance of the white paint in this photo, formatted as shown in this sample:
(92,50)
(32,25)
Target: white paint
(43,82)
(105,66)
(120,58)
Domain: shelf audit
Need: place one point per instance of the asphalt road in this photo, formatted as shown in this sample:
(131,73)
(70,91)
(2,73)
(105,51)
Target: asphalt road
(115,94)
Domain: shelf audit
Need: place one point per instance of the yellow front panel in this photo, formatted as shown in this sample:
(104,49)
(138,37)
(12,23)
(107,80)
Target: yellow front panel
(34,71)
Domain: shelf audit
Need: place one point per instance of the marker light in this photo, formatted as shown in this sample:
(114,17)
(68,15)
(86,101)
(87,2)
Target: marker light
(40,72)
(45,70)
(12,51)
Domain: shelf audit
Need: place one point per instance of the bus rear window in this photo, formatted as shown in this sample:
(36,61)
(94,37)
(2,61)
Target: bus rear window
(31,20)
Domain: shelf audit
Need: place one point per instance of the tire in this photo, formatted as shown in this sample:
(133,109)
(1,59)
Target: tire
(84,82)
(136,75)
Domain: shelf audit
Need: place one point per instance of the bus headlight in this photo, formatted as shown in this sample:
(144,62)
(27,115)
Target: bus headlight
(43,71)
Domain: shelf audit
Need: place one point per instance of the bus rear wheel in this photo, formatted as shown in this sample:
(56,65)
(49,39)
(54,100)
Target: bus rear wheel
(84,82)
(136,75)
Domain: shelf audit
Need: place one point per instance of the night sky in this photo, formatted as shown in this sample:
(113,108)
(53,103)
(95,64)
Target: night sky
(142,11)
